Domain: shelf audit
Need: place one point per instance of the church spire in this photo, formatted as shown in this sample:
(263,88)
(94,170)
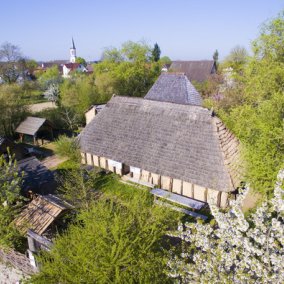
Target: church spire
(73,44)
(73,52)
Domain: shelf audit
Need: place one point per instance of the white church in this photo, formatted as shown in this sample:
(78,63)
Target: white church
(73,66)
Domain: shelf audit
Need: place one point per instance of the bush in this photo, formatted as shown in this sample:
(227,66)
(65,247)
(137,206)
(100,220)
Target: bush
(68,147)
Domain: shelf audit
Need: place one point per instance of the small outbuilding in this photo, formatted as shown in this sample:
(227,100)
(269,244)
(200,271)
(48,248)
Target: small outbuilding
(37,128)
(40,221)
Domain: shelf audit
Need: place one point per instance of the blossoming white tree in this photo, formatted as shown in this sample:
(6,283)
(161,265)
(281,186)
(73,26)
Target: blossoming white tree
(52,93)
(233,249)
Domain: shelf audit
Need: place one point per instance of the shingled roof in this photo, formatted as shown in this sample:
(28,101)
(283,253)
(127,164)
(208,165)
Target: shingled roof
(30,125)
(40,213)
(174,88)
(179,141)
(195,70)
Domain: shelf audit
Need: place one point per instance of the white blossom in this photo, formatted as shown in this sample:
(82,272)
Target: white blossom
(234,250)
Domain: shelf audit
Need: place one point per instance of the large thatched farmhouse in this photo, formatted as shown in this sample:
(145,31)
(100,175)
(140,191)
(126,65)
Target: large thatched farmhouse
(179,148)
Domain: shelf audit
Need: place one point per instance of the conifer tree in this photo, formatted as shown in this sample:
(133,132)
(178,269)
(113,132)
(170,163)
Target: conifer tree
(11,201)
(156,53)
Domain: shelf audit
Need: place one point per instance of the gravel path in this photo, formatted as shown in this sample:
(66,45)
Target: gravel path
(10,275)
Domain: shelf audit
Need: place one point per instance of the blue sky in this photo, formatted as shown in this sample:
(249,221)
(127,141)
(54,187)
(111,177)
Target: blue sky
(184,29)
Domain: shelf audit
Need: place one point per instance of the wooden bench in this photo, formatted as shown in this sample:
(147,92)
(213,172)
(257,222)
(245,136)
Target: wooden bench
(181,200)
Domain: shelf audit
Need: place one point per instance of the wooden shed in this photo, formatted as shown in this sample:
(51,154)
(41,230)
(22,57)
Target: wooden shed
(35,127)
(40,213)
(40,221)
(184,149)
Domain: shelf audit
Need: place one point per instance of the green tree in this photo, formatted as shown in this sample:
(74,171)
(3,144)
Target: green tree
(216,56)
(77,186)
(156,53)
(78,94)
(68,147)
(253,108)
(165,60)
(115,241)
(270,43)
(237,59)
(50,76)
(11,202)
(31,65)
(112,54)
(136,51)
(81,60)
(11,108)
(128,71)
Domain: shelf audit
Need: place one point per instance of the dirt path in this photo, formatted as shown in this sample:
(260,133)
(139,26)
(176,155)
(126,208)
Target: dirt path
(251,200)
(41,106)
(53,161)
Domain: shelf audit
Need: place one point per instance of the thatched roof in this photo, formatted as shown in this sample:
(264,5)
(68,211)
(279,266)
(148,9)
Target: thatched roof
(179,141)
(40,213)
(195,70)
(174,88)
(30,125)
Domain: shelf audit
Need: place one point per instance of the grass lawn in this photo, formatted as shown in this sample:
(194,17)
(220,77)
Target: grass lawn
(111,185)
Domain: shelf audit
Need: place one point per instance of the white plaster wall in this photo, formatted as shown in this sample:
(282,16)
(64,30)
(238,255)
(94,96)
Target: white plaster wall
(187,189)
(177,186)
(166,183)
(199,193)
(89,159)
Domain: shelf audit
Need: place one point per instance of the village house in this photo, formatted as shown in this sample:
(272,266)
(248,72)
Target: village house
(174,88)
(66,68)
(198,71)
(183,149)
(69,68)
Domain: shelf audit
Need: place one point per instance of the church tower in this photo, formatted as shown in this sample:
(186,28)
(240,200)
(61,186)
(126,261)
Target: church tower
(73,52)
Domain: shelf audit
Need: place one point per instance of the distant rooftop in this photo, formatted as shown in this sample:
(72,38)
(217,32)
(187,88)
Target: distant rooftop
(195,70)
(174,88)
